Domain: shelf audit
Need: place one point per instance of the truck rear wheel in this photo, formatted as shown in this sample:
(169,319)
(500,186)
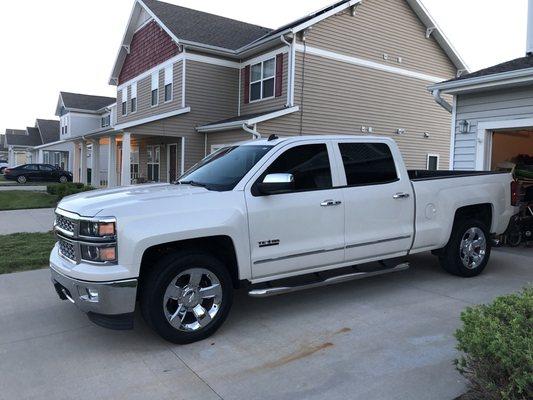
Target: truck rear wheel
(468,251)
(187,296)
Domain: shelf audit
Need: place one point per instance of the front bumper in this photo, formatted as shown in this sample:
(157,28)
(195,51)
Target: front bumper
(108,304)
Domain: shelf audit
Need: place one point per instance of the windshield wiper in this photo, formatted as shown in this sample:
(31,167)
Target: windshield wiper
(193,183)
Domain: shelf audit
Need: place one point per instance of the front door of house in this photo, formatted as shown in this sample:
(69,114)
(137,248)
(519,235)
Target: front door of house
(173,162)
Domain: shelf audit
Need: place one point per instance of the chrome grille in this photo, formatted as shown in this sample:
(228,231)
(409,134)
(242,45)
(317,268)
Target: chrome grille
(65,224)
(67,249)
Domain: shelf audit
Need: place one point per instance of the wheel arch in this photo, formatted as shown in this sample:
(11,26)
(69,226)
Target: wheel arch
(482,212)
(220,246)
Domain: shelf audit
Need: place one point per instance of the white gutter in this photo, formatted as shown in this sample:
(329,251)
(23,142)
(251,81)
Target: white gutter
(290,100)
(480,82)
(253,131)
(440,101)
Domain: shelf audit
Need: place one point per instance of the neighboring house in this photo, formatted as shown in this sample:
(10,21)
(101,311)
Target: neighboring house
(189,82)
(82,118)
(20,144)
(48,152)
(3,147)
(492,112)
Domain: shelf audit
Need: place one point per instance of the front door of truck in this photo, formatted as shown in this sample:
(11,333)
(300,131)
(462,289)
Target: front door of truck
(379,200)
(303,228)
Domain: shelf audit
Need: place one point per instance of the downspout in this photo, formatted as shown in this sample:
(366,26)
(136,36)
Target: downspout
(290,66)
(440,101)
(253,131)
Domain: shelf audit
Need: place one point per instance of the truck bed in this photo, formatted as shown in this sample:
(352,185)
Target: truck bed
(424,175)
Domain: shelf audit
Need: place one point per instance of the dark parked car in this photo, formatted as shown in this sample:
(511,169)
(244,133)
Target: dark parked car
(37,172)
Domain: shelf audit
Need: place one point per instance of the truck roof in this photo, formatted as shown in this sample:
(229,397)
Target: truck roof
(291,139)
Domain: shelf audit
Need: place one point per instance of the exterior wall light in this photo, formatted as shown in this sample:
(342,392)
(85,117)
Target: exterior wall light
(464,126)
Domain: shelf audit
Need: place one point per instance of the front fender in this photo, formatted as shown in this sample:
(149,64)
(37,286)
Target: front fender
(138,234)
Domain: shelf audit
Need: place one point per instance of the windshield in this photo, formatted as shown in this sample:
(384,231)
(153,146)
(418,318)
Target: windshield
(225,168)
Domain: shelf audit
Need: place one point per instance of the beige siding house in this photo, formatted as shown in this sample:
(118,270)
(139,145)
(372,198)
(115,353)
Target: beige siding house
(189,82)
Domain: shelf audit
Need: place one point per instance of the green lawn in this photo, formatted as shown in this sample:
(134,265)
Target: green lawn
(25,251)
(19,200)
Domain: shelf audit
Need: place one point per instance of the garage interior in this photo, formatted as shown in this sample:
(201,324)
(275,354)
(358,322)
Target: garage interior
(512,150)
(509,146)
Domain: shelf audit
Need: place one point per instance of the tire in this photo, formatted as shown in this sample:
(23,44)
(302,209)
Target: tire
(63,179)
(2,170)
(185,306)
(462,256)
(21,179)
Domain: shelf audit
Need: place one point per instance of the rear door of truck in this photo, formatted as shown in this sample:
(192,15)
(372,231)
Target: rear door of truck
(379,199)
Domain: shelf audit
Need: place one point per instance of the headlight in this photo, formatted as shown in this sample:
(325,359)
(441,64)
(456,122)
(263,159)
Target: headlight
(98,253)
(97,229)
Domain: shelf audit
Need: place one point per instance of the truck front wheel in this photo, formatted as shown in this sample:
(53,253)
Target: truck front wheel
(186,296)
(468,251)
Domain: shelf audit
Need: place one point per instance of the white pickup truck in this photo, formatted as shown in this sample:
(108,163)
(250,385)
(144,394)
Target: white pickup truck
(272,216)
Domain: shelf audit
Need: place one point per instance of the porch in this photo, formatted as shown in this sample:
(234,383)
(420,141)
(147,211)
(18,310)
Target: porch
(123,159)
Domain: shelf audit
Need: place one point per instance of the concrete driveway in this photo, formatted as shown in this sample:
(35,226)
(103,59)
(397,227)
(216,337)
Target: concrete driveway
(389,337)
(34,220)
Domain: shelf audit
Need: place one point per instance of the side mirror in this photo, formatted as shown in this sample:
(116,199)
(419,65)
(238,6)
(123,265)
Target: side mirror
(276,184)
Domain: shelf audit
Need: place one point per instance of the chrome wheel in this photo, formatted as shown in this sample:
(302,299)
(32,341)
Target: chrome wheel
(21,179)
(63,179)
(192,299)
(473,248)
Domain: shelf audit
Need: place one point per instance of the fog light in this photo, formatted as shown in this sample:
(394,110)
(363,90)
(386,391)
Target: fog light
(93,294)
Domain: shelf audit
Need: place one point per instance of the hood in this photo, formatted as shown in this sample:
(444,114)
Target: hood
(92,203)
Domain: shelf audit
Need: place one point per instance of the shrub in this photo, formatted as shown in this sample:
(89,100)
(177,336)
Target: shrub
(66,189)
(497,342)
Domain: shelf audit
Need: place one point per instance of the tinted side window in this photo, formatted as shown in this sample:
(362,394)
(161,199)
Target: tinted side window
(309,164)
(48,168)
(30,167)
(368,163)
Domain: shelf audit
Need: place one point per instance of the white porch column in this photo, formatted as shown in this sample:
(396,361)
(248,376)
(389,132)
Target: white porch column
(125,176)
(76,162)
(83,162)
(95,168)
(182,161)
(111,162)
(40,156)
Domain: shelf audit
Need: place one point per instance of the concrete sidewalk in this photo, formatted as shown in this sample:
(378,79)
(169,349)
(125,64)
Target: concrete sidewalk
(9,188)
(389,337)
(34,220)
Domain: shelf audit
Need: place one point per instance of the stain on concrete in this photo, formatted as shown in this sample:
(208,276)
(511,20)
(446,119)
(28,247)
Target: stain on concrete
(343,330)
(302,352)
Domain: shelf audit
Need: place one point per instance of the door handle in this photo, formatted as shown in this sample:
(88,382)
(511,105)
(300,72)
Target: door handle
(400,196)
(330,203)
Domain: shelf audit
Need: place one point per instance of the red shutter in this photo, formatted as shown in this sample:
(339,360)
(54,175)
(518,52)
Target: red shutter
(246,83)
(279,74)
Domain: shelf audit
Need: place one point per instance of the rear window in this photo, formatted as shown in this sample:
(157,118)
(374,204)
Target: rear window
(368,163)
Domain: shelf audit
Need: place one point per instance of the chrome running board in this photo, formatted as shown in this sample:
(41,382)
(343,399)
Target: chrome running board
(274,291)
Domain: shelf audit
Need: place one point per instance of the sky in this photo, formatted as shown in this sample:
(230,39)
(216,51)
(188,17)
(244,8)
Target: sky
(71,45)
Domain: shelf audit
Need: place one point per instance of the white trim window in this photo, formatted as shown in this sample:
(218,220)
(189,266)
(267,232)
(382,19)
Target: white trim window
(124,101)
(153,160)
(263,80)
(133,100)
(106,121)
(432,162)
(168,83)
(155,89)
